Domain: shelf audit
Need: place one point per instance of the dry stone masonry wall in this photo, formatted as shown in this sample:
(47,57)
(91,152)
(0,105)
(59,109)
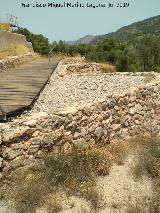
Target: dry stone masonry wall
(25,140)
(79,66)
(14,61)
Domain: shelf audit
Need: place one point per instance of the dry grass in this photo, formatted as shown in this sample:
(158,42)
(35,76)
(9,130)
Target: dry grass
(5,26)
(74,173)
(148,156)
(61,56)
(140,207)
(53,203)
(26,59)
(119,150)
(19,50)
(148,163)
(148,77)
(105,68)
(15,62)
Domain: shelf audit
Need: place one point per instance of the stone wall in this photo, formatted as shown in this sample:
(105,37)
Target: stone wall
(27,139)
(9,40)
(78,65)
(14,61)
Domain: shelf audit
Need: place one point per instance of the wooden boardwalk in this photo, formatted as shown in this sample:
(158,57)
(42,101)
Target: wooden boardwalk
(20,87)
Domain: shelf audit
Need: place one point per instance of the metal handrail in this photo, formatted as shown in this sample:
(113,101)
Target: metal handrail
(49,54)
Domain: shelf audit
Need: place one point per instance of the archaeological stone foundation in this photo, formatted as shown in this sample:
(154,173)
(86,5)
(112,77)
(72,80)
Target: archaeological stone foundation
(26,139)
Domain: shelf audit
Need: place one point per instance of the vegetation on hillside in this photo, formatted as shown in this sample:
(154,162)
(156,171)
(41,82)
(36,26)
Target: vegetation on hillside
(132,48)
(141,54)
(40,43)
(141,28)
(148,26)
(19,50)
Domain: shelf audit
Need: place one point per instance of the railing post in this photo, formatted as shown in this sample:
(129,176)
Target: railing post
(3,113)
(49,54)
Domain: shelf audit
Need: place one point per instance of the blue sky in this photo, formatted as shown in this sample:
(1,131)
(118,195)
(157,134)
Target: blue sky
(73,23)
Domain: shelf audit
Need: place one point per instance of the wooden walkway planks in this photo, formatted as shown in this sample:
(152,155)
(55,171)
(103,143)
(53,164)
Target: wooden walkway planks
(19,87)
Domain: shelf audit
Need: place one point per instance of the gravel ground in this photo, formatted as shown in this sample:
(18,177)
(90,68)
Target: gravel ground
(119,189)
(62,92)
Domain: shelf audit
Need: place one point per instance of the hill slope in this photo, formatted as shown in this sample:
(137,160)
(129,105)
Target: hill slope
(84,40)
(147,26)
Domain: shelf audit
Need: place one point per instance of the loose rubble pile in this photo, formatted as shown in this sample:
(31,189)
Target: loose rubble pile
(79,66)
(26,139)
(65,91)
